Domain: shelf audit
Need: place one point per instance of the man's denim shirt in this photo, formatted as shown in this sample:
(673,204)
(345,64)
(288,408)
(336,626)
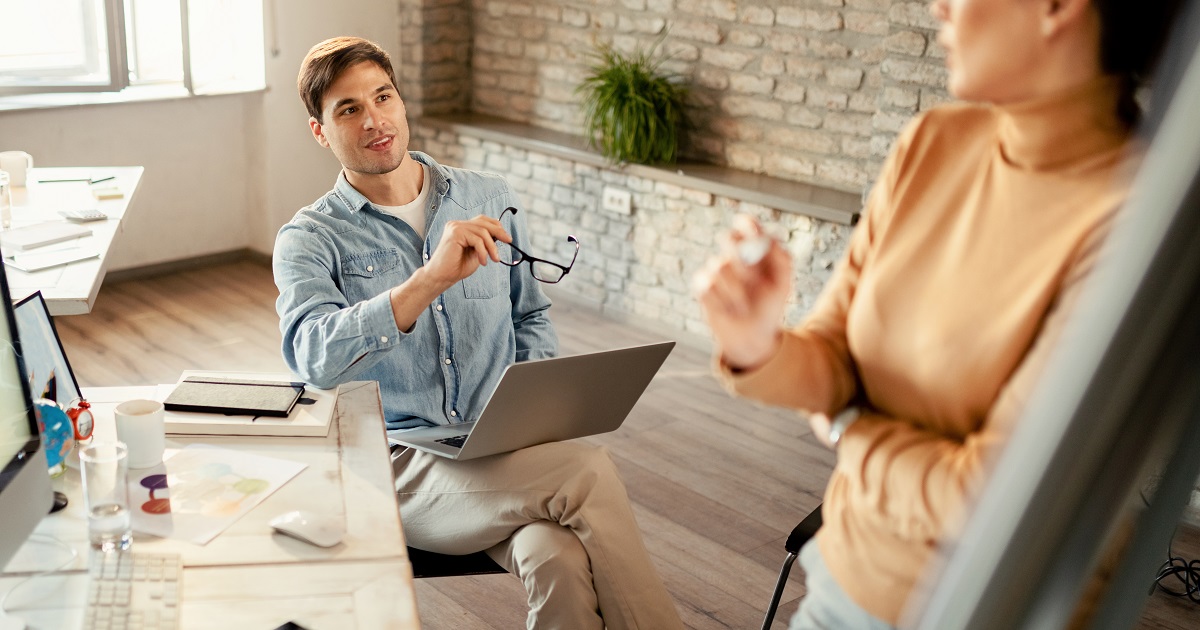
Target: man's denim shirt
(335,263)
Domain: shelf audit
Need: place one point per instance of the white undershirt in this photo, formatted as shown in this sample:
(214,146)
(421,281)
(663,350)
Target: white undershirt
(413,212)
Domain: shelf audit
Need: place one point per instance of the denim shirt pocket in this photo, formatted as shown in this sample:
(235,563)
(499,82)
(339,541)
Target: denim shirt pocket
(369,274)
(486,282)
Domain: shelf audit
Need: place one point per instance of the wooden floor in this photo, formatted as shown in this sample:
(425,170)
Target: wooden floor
(717,483)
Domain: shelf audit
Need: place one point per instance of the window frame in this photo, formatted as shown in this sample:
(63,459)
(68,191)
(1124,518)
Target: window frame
(117,62)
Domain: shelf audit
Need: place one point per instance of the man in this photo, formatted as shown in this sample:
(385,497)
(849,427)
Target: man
(393,276)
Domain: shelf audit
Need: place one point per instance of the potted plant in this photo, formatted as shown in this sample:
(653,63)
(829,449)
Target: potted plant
(633,112)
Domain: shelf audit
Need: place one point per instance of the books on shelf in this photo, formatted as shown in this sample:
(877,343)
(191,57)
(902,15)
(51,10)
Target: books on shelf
(239,403)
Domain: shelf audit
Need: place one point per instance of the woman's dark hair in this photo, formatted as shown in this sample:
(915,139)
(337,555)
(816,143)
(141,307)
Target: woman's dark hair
(328,59)
(1132,36)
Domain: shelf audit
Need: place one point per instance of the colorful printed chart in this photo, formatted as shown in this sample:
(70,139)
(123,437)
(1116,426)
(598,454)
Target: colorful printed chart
(202,490)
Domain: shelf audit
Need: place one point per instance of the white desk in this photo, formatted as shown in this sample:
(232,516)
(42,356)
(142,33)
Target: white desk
(71,289)
(248,576)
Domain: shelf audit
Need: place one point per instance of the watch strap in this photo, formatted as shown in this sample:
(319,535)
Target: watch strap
(842,422)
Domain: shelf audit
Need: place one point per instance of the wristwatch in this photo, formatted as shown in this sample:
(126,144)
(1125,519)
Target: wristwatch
(842,422)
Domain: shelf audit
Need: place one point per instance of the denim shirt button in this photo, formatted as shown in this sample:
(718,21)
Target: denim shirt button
(438,307)
(383,339)
(447,360)
(427,256)
(370,267)
(453,413)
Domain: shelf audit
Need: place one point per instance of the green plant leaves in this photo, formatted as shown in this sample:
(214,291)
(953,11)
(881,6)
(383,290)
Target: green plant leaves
(632,113)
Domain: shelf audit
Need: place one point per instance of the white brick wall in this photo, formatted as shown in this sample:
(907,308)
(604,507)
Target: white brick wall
(757,71)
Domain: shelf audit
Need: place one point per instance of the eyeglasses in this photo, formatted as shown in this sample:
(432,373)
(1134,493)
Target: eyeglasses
(542,270)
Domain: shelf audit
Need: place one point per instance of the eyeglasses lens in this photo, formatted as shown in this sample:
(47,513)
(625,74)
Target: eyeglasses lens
(547,272)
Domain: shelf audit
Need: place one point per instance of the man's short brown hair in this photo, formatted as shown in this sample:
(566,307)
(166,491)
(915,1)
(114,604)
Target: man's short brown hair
(328,59)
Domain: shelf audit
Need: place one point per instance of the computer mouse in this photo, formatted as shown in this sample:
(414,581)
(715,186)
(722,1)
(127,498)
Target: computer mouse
(316,529)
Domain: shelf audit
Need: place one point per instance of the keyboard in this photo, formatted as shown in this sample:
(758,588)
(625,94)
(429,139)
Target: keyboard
(456,441)
(128,590)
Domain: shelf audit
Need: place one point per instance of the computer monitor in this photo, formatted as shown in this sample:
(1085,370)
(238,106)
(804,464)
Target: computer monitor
(46,366)
(25,492)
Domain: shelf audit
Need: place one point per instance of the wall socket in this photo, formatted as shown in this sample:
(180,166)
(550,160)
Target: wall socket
(617,200)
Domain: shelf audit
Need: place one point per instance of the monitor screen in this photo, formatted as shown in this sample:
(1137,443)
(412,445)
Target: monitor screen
(46,367)
(16,425)
(25,493)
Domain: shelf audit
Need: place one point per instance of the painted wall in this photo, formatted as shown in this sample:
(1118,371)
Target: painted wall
(222,172)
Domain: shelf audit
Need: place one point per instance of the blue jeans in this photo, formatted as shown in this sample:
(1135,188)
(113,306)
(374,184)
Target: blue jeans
(826,606)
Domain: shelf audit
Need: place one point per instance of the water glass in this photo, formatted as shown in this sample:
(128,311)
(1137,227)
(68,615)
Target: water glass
(105,468)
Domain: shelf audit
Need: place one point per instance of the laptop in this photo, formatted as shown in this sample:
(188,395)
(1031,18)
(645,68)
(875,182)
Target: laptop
(548,400)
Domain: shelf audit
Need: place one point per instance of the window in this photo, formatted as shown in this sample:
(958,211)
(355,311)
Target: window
(203,46)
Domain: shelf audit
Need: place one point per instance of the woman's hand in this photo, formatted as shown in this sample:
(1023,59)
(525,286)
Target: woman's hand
(743,300)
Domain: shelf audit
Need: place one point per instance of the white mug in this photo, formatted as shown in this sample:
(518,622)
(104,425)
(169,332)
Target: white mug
(17,165)
(140,427)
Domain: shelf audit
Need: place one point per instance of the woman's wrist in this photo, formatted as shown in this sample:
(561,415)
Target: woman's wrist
(743,361)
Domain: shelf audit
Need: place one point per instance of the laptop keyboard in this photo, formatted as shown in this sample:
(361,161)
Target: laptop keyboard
(456,441)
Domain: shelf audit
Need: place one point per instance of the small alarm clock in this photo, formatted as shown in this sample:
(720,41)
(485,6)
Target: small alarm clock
(82,420)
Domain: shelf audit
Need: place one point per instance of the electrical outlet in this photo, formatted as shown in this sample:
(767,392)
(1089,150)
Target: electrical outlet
(617,200)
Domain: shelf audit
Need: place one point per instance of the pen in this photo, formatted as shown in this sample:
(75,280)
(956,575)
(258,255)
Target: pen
(77,179)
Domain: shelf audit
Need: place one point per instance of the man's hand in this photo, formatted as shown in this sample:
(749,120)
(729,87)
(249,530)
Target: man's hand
(464,248)
(744,303)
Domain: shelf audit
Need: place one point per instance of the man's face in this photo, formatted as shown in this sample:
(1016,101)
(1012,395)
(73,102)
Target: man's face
(365,124)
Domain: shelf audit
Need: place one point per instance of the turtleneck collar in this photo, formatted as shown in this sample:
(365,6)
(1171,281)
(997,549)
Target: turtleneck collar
(1053,131)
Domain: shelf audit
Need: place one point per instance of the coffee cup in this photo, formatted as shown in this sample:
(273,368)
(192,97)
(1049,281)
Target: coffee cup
(17,165)
(140,427)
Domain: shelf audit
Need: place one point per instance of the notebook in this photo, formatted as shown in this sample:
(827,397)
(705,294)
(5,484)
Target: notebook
(30,262)
(548,400)
(311,417)
(31,236)
(235,396)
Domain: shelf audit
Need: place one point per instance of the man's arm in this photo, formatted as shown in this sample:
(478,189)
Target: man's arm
(326,340)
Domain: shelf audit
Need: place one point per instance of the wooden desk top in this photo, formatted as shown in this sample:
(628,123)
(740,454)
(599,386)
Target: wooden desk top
(71,289)
(248,576)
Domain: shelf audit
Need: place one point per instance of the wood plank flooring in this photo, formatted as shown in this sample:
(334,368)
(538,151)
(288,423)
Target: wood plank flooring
(716,483)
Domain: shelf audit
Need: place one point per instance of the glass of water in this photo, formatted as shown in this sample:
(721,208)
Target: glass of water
(105,467)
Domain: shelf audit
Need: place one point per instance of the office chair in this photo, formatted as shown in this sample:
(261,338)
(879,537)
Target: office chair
(426,564)
(803,532)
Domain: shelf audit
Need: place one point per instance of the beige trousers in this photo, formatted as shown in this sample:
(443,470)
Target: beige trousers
(555,515)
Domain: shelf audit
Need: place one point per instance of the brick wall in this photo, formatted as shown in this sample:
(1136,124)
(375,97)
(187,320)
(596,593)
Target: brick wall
(813,90)
(434,61)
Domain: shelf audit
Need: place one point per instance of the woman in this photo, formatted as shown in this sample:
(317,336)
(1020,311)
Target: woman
(977,236)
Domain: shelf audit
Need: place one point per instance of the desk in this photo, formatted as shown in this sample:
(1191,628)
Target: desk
(71,289)
(248,576)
